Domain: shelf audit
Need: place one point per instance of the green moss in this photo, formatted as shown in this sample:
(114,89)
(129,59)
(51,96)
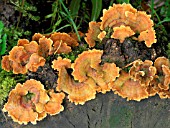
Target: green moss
(75,52)
(8,81)
(5,86)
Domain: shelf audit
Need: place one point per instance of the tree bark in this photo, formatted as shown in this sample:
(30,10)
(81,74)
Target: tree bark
(106,111)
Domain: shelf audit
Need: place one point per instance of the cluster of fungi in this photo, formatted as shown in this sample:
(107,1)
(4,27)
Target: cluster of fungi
(30,102)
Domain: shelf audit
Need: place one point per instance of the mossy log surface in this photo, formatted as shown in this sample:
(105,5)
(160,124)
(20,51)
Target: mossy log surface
(106,111)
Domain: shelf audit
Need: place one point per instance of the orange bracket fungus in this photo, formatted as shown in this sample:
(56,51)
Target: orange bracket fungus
(29,102)
(34,62)
(62,42)
(161,61)
(87,65)
(122,32)
(143,72)
(93,32)
(30,55)
(162,65)
(6,63)
(53,106)
(78,92)
(37,36)
(45,46)
(19,56)
(126,87)
(125,21)
(88,72)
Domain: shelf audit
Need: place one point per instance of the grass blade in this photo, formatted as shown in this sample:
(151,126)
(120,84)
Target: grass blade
(96,9)
(74,8)
(70,19)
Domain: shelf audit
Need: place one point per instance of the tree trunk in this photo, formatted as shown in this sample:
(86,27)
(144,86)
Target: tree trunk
(106,111)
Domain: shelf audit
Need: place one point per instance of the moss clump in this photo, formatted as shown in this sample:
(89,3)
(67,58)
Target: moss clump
(6,84)
(8,81)
(75,52)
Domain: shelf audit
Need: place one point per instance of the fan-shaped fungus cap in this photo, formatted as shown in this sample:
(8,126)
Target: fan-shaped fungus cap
(22,101)
(6,63)
(148,36)
(54,106)
(87,66)
(32,47)
(77,92)
(34,62)
(93,32)
(101,35)
(142,72)
(126,15)
(161,61)
(164,85)
(115,15)
(45,46)
(125,87)
(36,37)
(60,47)
(122,32)
(62,43)
(85,61)
(29,47)
(153,88)
(143,22)
(59,63)
(18,58)
(65,38)
(18,54)
(18,68)
(22,42)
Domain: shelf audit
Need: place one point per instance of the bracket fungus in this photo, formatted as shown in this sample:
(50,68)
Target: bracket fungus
(45,46)
(37,36)
(30,55)
(16,60)
(77,92)
(34,62)
(20,60)
(143,72)
(53,106)
(87,65)
(62,42)
(88,76)
(126,87)
(125,21)
(161,61)
(162,64)
(122,32)
(86,61)
(93,32)
(29,102)
(6,63)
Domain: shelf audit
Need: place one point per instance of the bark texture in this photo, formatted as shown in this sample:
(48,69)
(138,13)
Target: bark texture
(106,111)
